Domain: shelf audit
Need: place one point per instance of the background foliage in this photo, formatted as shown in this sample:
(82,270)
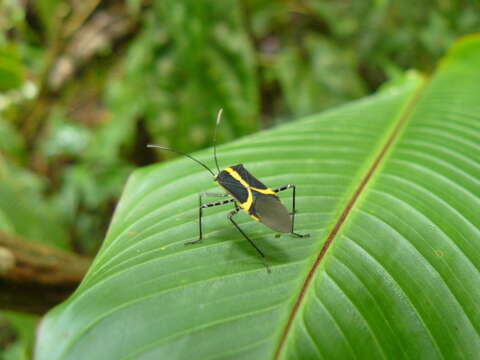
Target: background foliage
(85,85)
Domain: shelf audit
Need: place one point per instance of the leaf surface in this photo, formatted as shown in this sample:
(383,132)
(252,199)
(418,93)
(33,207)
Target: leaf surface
(388,188)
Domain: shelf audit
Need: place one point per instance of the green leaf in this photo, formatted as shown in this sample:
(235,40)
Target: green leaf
(320,79)
(22,211)
(24,326)
(11,68)
(48,13)
(388,188)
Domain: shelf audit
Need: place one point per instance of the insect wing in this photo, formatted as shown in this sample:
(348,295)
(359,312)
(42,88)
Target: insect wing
(271,212)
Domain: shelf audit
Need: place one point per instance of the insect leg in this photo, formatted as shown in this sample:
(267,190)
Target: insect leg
(291,186)
(230,217)
(200,213)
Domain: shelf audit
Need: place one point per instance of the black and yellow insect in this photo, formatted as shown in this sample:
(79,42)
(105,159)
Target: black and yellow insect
(246,192)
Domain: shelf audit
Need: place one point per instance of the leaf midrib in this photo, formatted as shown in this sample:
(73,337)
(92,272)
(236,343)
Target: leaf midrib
(401,121)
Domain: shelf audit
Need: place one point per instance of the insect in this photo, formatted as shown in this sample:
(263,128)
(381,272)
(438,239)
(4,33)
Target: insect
(248,193)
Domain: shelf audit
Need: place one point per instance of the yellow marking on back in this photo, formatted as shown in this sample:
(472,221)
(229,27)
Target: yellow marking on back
(248,204)
(237,177)
(266,191)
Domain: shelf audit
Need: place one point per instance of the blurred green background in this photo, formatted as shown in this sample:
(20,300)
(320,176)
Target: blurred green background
(85,85)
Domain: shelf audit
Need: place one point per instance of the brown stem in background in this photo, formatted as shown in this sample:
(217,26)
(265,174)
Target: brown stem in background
(35,277)
(88,30)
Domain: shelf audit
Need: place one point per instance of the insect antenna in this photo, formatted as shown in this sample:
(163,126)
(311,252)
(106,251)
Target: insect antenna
(182,153)
(219,116)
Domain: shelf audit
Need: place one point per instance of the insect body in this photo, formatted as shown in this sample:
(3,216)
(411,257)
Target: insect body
(258,201)
(246,192)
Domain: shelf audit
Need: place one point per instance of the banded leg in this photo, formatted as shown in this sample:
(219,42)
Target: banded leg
(230,217)
(286,187)
(202,206)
